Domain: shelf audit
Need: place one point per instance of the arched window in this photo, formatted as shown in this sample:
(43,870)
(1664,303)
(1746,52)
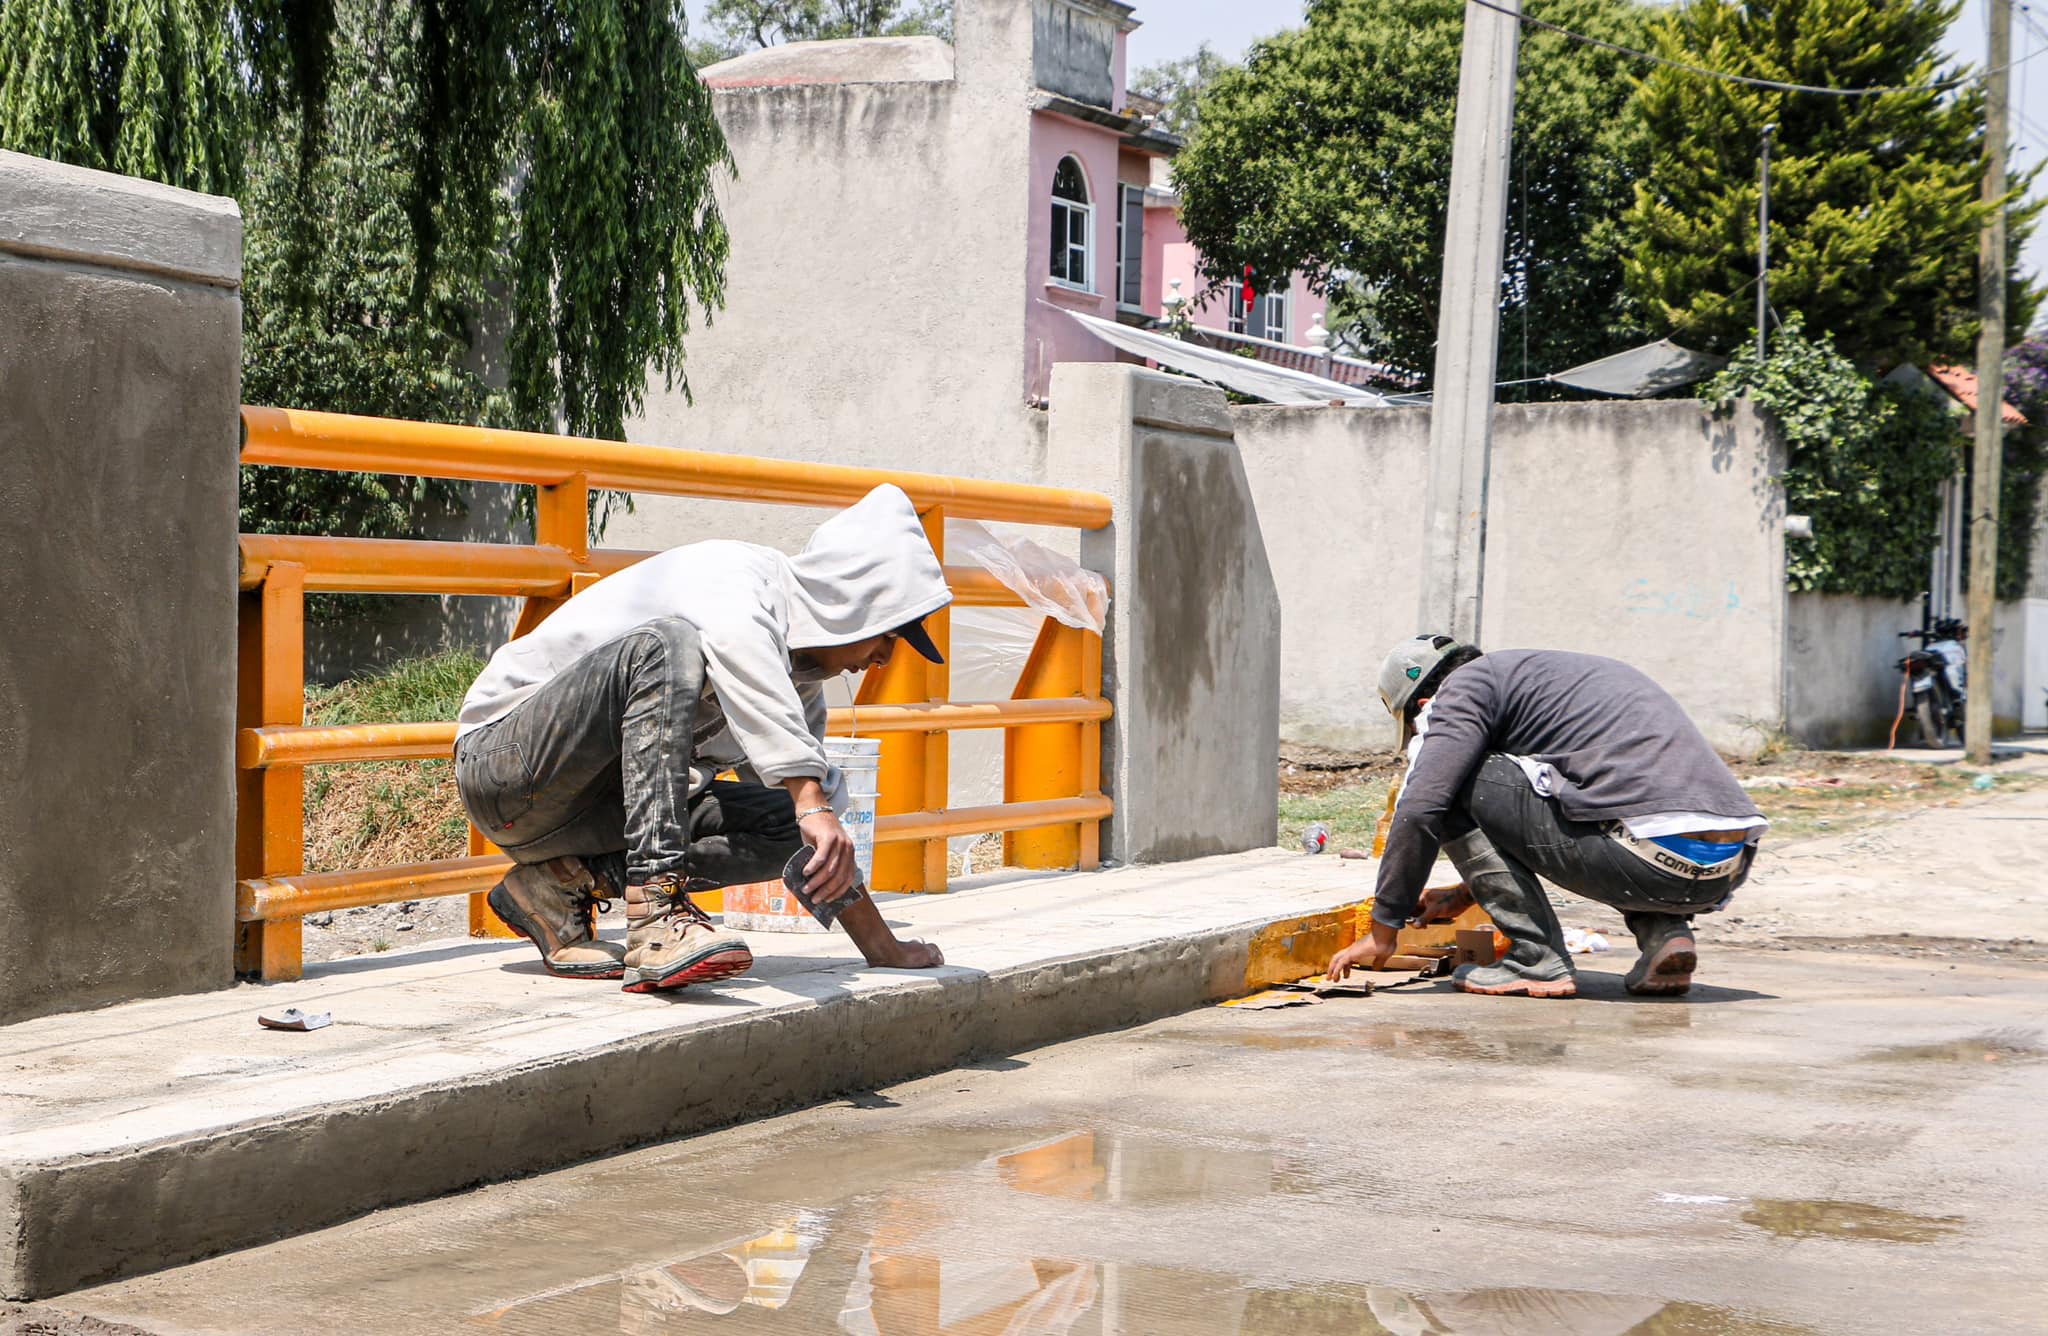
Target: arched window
(1072,225)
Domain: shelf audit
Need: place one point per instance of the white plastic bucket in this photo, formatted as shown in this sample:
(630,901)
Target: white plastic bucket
(860,763)
(765,906)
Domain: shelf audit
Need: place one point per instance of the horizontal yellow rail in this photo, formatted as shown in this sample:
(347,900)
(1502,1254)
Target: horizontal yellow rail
(271,898)
(421,566)
(326,744)
(297,438)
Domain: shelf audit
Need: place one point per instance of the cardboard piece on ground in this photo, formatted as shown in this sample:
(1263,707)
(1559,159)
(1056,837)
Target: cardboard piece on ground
(1273,998)
(1320,985)
(291,1018)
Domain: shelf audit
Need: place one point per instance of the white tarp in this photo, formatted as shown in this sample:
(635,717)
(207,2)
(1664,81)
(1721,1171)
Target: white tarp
(1640,372)
(1261,380)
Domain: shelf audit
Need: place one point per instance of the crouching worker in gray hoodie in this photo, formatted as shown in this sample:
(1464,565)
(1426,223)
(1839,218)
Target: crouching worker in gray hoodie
(1569,766)
(587,748)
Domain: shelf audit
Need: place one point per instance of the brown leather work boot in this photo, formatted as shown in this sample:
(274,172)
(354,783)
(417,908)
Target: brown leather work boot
(670,943)
(554,905)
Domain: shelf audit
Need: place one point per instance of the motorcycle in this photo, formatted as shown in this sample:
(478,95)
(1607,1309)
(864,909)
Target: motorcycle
(1935,674)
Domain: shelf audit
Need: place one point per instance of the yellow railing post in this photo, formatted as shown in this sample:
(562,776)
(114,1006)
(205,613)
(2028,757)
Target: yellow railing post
(270,828)
(1044,761)
(561,519)
(914,765)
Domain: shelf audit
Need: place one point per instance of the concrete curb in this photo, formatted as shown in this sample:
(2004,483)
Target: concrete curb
(84,1219)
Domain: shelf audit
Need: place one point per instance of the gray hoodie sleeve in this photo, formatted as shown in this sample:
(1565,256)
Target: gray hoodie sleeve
(1449,750)
(748,664)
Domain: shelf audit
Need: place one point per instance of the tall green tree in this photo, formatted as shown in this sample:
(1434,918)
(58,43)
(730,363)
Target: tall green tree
(1875,201)
(1179,85)
(1330,153)
(331,316)
(571,135)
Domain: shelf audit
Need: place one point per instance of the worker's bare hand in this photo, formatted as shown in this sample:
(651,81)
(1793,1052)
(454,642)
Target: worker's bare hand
(909,956)
(1368,952)
(832,873)
(1441,904)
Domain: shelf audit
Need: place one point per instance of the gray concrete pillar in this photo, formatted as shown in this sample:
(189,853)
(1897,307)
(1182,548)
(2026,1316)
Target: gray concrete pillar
(120,370)
(1192,658)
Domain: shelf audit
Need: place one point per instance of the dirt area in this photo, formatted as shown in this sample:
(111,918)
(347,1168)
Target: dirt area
(1803,793)
(41,1320)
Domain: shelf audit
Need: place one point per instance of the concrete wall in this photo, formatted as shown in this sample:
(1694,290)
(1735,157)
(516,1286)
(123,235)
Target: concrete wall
(1841,686)
(1651,532)
(1192,658)
(1842,682)
(120,367)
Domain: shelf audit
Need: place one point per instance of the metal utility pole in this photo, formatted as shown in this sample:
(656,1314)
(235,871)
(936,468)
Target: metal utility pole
(1468,325)
(1763,244)
(1990,394)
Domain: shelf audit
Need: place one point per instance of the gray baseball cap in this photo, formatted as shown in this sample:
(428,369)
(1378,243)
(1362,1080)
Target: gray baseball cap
(1405,669)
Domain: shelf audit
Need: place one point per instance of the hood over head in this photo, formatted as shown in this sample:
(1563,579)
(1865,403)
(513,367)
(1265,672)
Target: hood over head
(865,572)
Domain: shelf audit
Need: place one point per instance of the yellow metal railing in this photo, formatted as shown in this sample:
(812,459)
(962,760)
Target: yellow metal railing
(1052,775)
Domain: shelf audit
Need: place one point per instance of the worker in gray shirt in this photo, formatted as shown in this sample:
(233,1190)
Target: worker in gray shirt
(1572,767)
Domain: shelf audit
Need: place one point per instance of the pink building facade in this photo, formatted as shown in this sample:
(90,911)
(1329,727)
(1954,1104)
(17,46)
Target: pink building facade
(1100,175)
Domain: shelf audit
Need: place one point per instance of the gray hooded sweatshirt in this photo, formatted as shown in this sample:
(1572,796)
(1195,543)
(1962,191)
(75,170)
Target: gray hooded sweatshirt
(865,572)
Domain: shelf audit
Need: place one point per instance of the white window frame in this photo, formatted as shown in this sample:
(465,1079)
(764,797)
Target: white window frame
(1270,303)
(1067,214)
(1277,302)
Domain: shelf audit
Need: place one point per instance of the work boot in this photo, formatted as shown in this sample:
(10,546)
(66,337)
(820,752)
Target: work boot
(554,905)
(1537,964)
(670,943)
(1669,955)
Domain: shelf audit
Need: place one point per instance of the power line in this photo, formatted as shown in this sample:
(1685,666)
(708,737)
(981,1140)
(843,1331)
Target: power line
(1753,82)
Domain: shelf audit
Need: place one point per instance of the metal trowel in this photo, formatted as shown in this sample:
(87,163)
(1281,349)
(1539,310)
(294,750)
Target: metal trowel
(826,912)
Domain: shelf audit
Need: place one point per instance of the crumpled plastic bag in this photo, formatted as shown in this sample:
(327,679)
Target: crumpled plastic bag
(1056,586)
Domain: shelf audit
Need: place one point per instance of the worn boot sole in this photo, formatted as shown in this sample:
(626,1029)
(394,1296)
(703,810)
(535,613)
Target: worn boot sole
(507,909)
(721,962)
(1667,972)
(1523,988)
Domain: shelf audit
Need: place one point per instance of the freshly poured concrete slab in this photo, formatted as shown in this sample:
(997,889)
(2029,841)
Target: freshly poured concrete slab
(155,1132)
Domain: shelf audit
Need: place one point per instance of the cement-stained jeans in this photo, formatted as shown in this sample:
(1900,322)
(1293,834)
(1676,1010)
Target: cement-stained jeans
(597,763)
(1537,839)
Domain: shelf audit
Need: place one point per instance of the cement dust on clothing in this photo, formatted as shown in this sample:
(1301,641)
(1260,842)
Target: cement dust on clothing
(1806,1143)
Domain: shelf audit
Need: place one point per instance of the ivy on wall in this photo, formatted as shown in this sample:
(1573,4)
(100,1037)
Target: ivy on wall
(1866,460)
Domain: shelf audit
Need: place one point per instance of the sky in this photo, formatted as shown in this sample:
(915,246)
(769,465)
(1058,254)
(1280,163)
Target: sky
(1175,28)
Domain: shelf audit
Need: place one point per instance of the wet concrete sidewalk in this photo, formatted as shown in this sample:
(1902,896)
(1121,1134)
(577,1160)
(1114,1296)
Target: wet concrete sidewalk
(1810,1142)
(155,1132)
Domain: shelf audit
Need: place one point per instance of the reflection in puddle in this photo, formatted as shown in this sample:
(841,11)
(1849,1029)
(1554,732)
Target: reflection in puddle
(1847,1220)
(1998,1046)
(897,1264)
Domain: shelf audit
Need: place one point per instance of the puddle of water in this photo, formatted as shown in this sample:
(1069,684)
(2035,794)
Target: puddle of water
(1848,1220)
(1997,1046)
(905,1261)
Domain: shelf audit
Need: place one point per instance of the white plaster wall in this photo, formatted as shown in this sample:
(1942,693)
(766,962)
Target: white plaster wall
(874,312)
(1338,492)
(1649,532)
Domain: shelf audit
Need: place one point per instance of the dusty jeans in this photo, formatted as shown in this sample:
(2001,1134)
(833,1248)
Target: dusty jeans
(1534,836)
(597,763)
